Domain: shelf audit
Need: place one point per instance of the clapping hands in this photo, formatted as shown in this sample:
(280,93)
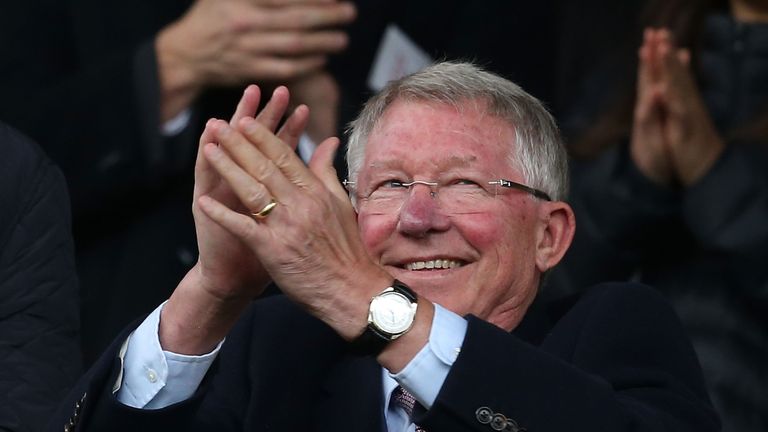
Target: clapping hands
(673,138)
(227,275)
(308,243)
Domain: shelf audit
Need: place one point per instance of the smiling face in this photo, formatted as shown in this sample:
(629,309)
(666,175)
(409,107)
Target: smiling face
(482,261)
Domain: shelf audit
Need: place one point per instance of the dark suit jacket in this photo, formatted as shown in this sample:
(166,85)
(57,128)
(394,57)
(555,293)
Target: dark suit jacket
(79,77)
(615,360)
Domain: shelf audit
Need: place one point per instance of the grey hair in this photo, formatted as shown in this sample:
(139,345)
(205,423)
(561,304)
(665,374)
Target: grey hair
(539,152)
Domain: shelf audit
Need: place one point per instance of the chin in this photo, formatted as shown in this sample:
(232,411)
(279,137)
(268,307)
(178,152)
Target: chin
(446,296)
(428,285)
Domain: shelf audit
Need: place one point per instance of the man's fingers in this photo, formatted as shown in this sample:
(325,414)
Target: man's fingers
(246,154)
(679,85)
(294,126)
(304,16)
(273,112)
(239,225)
(645,83)
(665,36)
(252,194)
(247,105)
(273,68)
(294,43)
(644,73)
(289,2)
(205,175)
(281,156)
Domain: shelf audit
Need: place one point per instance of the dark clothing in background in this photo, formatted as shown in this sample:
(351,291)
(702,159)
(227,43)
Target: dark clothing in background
(71,80)
(514,39)
(79,76)
(39,340)
(615,359)
(705,246)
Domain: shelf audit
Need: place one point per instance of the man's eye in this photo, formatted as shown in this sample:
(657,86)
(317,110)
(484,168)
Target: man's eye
(464,182)
(465,186)
(392,184)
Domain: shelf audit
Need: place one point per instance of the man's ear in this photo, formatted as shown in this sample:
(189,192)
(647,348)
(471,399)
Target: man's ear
(555,233)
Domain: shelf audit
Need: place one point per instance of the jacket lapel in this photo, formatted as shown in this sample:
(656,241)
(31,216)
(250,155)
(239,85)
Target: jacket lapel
(352,398)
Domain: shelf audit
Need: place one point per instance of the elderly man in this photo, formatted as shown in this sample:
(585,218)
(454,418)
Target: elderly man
(410,304)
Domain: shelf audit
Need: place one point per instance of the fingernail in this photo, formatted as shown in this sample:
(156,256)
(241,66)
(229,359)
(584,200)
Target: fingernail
(280,88)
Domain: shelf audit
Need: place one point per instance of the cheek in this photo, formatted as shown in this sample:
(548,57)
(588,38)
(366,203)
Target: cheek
(505,243)
(485,232)
(374,231)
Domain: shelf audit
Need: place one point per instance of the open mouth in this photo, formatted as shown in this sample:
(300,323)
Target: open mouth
(436,264)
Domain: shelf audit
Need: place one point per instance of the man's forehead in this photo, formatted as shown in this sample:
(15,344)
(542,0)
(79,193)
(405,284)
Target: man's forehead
(443,161)
(438,133)
(472,111)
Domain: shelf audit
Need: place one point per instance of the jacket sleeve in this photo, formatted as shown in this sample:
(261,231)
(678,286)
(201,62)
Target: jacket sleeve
(39,314)
(92,403)
(83,84)
(727,212)
(618,361)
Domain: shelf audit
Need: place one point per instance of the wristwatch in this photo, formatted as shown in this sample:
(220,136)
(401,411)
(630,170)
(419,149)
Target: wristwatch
(390,315)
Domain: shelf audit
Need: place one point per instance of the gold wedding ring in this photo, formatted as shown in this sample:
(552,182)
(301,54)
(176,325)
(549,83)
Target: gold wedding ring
(264,212)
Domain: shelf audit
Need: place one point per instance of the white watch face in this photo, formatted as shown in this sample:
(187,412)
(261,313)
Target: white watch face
(392,312)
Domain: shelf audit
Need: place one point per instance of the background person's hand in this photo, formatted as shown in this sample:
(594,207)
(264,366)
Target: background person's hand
(320,92)
(673,137)
(694,143)
(233,42)
(648,146)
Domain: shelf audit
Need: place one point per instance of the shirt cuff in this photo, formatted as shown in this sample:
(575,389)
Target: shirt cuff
(306,147)
(177,124)
(154,378)
(425,374)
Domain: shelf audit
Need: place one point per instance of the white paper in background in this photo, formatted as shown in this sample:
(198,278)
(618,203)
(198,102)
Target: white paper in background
(397,56)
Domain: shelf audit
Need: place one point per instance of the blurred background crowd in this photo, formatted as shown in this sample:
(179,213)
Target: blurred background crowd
(663,104)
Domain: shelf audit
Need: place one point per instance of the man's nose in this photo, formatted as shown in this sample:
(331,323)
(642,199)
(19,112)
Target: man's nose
(421,213)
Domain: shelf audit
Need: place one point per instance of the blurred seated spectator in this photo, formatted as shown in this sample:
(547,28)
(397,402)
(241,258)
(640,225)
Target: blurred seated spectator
(671,190)
(39,340)
(117,92)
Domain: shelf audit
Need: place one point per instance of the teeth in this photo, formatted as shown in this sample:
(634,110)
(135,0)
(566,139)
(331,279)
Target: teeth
(432,264)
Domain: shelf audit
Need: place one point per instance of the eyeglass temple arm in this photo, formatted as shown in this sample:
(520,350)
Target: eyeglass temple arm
(514,185)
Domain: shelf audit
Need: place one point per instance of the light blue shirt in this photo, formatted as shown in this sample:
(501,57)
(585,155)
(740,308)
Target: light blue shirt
(153,378)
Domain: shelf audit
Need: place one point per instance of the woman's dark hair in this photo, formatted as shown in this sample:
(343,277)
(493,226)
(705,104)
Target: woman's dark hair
(685,19)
